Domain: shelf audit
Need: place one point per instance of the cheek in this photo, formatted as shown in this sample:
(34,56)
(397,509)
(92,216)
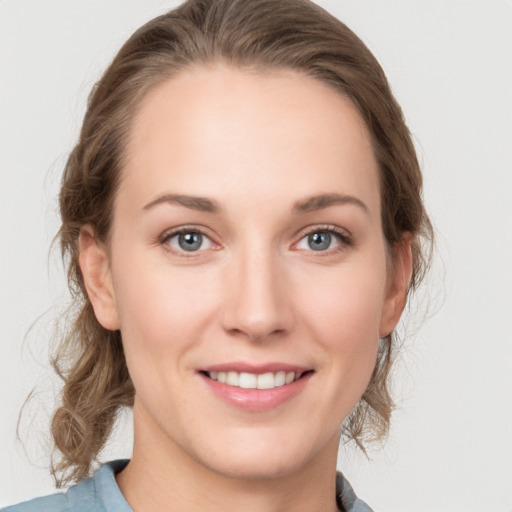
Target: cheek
(162,311)
(344,312)
(349,303)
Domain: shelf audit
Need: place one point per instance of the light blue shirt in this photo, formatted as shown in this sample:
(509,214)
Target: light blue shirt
(101,494)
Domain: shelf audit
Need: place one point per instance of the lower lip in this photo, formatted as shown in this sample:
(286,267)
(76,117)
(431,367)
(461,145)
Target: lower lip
(257,399)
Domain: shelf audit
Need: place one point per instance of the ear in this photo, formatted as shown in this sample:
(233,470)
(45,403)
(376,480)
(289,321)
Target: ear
(398,283)
(95,266)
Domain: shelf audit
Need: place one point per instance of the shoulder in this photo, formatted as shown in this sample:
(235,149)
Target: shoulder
(96,494)
(79,498)
(347,499)
(53,503)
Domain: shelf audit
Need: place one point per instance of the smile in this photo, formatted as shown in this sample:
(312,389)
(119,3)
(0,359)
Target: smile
(256,388)
(245,380)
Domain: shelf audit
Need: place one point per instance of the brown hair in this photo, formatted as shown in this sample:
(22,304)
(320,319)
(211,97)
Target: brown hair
(261,34)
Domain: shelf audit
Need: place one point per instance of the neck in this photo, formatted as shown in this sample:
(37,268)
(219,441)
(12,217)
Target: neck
(161,476)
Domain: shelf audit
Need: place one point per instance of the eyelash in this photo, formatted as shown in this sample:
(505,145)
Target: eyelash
(168,235)
(344,239)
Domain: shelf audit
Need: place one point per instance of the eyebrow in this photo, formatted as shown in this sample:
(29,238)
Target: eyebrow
(322,201)
(201,204)
(310,204)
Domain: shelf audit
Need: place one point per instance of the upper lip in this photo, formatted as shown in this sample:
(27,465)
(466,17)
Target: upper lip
(240,366)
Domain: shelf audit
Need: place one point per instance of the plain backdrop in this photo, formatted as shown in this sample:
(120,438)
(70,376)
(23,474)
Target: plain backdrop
(449,63)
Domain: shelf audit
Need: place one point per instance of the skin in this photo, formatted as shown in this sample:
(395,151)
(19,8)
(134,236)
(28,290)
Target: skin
(259,146)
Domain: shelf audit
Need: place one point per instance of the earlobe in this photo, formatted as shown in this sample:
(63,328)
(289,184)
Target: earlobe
(399,279)
(95,267)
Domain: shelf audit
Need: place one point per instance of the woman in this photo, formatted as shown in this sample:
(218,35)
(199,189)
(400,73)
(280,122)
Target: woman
(243,219)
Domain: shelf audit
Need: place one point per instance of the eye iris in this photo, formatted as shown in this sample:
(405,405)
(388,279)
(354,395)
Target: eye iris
(319,241)
(190,241)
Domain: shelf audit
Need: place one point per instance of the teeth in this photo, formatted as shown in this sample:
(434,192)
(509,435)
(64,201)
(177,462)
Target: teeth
(232,378)
(246,380)
(266,381)
(280,379)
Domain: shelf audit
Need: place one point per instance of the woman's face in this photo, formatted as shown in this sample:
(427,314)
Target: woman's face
(247,269)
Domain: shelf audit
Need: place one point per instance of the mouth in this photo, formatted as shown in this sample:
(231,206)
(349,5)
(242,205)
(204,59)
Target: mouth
(247,380)
(253,388)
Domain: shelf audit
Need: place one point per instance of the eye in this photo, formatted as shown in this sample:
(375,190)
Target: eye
(188,241)
(322,240)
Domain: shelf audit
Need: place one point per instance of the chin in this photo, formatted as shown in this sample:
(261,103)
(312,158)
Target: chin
(266,457)
(258,468)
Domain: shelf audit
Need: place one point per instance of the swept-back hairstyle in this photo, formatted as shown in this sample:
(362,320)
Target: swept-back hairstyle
(247,34)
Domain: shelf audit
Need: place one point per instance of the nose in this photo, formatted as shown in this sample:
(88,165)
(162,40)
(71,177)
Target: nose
(258,302)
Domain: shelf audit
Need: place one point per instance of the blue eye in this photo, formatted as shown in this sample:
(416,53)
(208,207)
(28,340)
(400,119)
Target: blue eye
(321,240)
(189,241)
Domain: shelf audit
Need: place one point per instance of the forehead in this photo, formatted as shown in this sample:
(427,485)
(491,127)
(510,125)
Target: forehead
(214,128)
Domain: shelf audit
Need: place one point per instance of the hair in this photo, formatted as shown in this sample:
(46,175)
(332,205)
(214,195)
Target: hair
(246,34)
